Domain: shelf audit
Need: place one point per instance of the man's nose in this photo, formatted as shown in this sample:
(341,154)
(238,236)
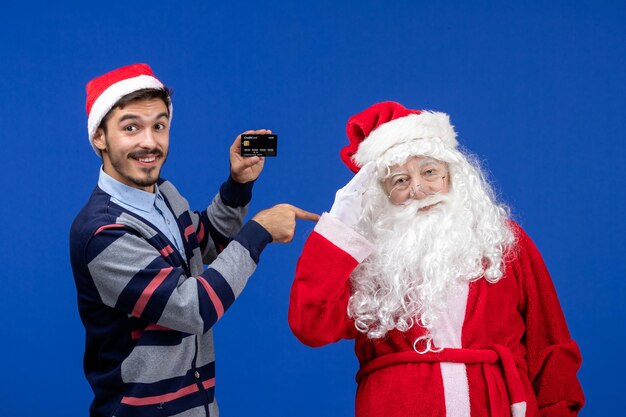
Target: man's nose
(148,139)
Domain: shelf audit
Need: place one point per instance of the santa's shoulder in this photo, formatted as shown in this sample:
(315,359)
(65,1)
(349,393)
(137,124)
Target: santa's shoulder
(523,246)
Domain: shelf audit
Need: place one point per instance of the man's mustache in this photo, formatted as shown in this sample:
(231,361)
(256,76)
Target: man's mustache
(144,153)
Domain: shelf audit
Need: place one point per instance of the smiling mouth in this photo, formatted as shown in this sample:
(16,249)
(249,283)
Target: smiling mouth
(428,207)
(146,160)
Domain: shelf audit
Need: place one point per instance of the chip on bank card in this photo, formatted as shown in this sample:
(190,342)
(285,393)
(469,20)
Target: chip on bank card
(259,145)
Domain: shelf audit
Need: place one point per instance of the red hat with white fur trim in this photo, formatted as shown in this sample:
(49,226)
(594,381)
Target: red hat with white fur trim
(104,91)
(390,127)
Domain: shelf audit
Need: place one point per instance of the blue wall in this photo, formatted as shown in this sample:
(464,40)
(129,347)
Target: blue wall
(536,91)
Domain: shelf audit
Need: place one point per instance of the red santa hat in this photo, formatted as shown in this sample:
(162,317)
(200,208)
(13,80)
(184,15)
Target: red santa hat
(104,91)
(387,131)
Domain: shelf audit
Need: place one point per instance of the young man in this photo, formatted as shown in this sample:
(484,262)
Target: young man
(451,307)
(138,255)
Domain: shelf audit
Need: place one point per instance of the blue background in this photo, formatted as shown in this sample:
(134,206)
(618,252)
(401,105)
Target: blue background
(535,90)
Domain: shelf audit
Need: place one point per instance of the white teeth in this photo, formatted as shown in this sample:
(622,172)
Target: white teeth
(147,160)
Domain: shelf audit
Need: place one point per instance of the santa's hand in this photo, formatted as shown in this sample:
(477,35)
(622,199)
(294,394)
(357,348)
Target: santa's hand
(347,206)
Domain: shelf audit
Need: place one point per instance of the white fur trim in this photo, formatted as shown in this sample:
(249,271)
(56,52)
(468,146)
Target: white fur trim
(411,128)
(518,409)
(447,329)
(447,332)
(344,237)
(111,95)
(455,389)
(433,147)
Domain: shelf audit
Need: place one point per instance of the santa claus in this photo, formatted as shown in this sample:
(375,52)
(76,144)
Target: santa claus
(450,304)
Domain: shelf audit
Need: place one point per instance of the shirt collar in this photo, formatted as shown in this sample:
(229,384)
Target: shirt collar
(139,199)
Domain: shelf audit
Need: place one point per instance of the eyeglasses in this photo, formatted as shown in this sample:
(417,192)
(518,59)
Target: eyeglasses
(405,185)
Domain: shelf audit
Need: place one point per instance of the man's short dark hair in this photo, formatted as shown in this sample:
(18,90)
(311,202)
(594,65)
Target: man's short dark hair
(139,95)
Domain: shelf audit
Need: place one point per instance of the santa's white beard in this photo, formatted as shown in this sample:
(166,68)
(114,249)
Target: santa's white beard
(419,258)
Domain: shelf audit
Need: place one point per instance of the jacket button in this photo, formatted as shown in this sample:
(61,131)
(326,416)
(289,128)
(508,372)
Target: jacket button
(197,374)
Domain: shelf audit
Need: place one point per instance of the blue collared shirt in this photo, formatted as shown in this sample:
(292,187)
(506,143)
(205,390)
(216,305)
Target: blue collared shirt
(149,206)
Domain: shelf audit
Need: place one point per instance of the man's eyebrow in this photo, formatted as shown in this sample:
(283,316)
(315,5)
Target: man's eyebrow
(130,116)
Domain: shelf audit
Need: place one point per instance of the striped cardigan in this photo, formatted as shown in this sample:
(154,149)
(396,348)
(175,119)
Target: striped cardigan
(147,310)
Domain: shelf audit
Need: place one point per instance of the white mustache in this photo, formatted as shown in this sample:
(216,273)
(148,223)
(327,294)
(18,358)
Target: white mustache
(431,200)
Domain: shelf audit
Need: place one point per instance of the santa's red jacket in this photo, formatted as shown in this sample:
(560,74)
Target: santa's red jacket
(507,350)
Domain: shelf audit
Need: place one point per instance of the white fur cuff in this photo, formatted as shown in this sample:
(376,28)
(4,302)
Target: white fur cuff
(344,237)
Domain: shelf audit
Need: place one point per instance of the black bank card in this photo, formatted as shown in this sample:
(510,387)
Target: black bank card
(259,145)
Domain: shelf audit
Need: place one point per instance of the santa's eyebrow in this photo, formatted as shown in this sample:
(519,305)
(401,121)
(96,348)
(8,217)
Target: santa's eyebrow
(429,161)
(396,173)
(404,171)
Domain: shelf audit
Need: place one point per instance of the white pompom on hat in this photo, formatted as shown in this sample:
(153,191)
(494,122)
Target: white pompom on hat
(383,126)
(106,90)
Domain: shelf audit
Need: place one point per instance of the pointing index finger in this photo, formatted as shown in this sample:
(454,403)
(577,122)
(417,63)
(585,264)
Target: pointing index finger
(305,215)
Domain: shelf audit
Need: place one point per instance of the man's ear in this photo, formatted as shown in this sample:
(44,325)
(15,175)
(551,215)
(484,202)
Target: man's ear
(99,140)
